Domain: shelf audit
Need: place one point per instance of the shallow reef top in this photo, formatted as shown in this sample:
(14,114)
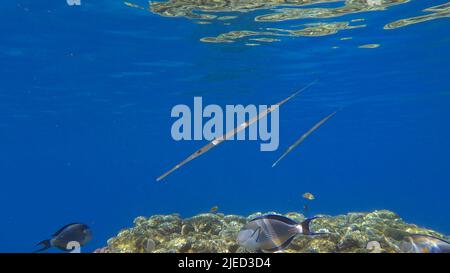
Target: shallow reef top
(378,231)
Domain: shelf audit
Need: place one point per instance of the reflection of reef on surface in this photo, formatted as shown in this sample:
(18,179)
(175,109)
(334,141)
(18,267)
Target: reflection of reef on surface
(202,9)
(350,7)
(318,29)
(369,46)
(275,11)
(209,232)
(284,10)
(441,11)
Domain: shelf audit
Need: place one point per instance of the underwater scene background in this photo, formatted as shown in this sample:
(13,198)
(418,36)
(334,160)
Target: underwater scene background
(86,93)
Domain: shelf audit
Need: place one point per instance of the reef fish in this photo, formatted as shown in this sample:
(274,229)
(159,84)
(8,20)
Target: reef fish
(68,237)
(303,137)
(419,243)
(231,133)
(214,209)
(271,233)
(309,196)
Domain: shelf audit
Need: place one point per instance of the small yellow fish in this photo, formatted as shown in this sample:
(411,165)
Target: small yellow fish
(309,196)
(214,209)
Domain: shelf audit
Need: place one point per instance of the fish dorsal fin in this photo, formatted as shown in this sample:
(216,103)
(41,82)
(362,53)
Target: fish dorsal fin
(280,218)
(63,228)
(281,247)
(430,236)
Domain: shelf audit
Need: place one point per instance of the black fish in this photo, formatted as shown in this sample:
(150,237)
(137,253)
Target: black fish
(71,233)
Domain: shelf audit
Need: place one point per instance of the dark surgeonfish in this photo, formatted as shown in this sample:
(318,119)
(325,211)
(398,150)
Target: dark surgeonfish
(419,243)
(76,233)
(271,233)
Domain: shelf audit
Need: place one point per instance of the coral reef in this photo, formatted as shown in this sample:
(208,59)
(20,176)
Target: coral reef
(378,231)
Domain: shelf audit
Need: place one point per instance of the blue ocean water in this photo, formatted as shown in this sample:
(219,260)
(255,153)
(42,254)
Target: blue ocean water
(85,99)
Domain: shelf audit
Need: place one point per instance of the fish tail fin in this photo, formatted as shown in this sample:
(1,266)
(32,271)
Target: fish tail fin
(46,245)
(306,230)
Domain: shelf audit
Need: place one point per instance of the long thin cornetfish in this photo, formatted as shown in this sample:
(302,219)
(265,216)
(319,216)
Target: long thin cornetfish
(231,133)
(303,137)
